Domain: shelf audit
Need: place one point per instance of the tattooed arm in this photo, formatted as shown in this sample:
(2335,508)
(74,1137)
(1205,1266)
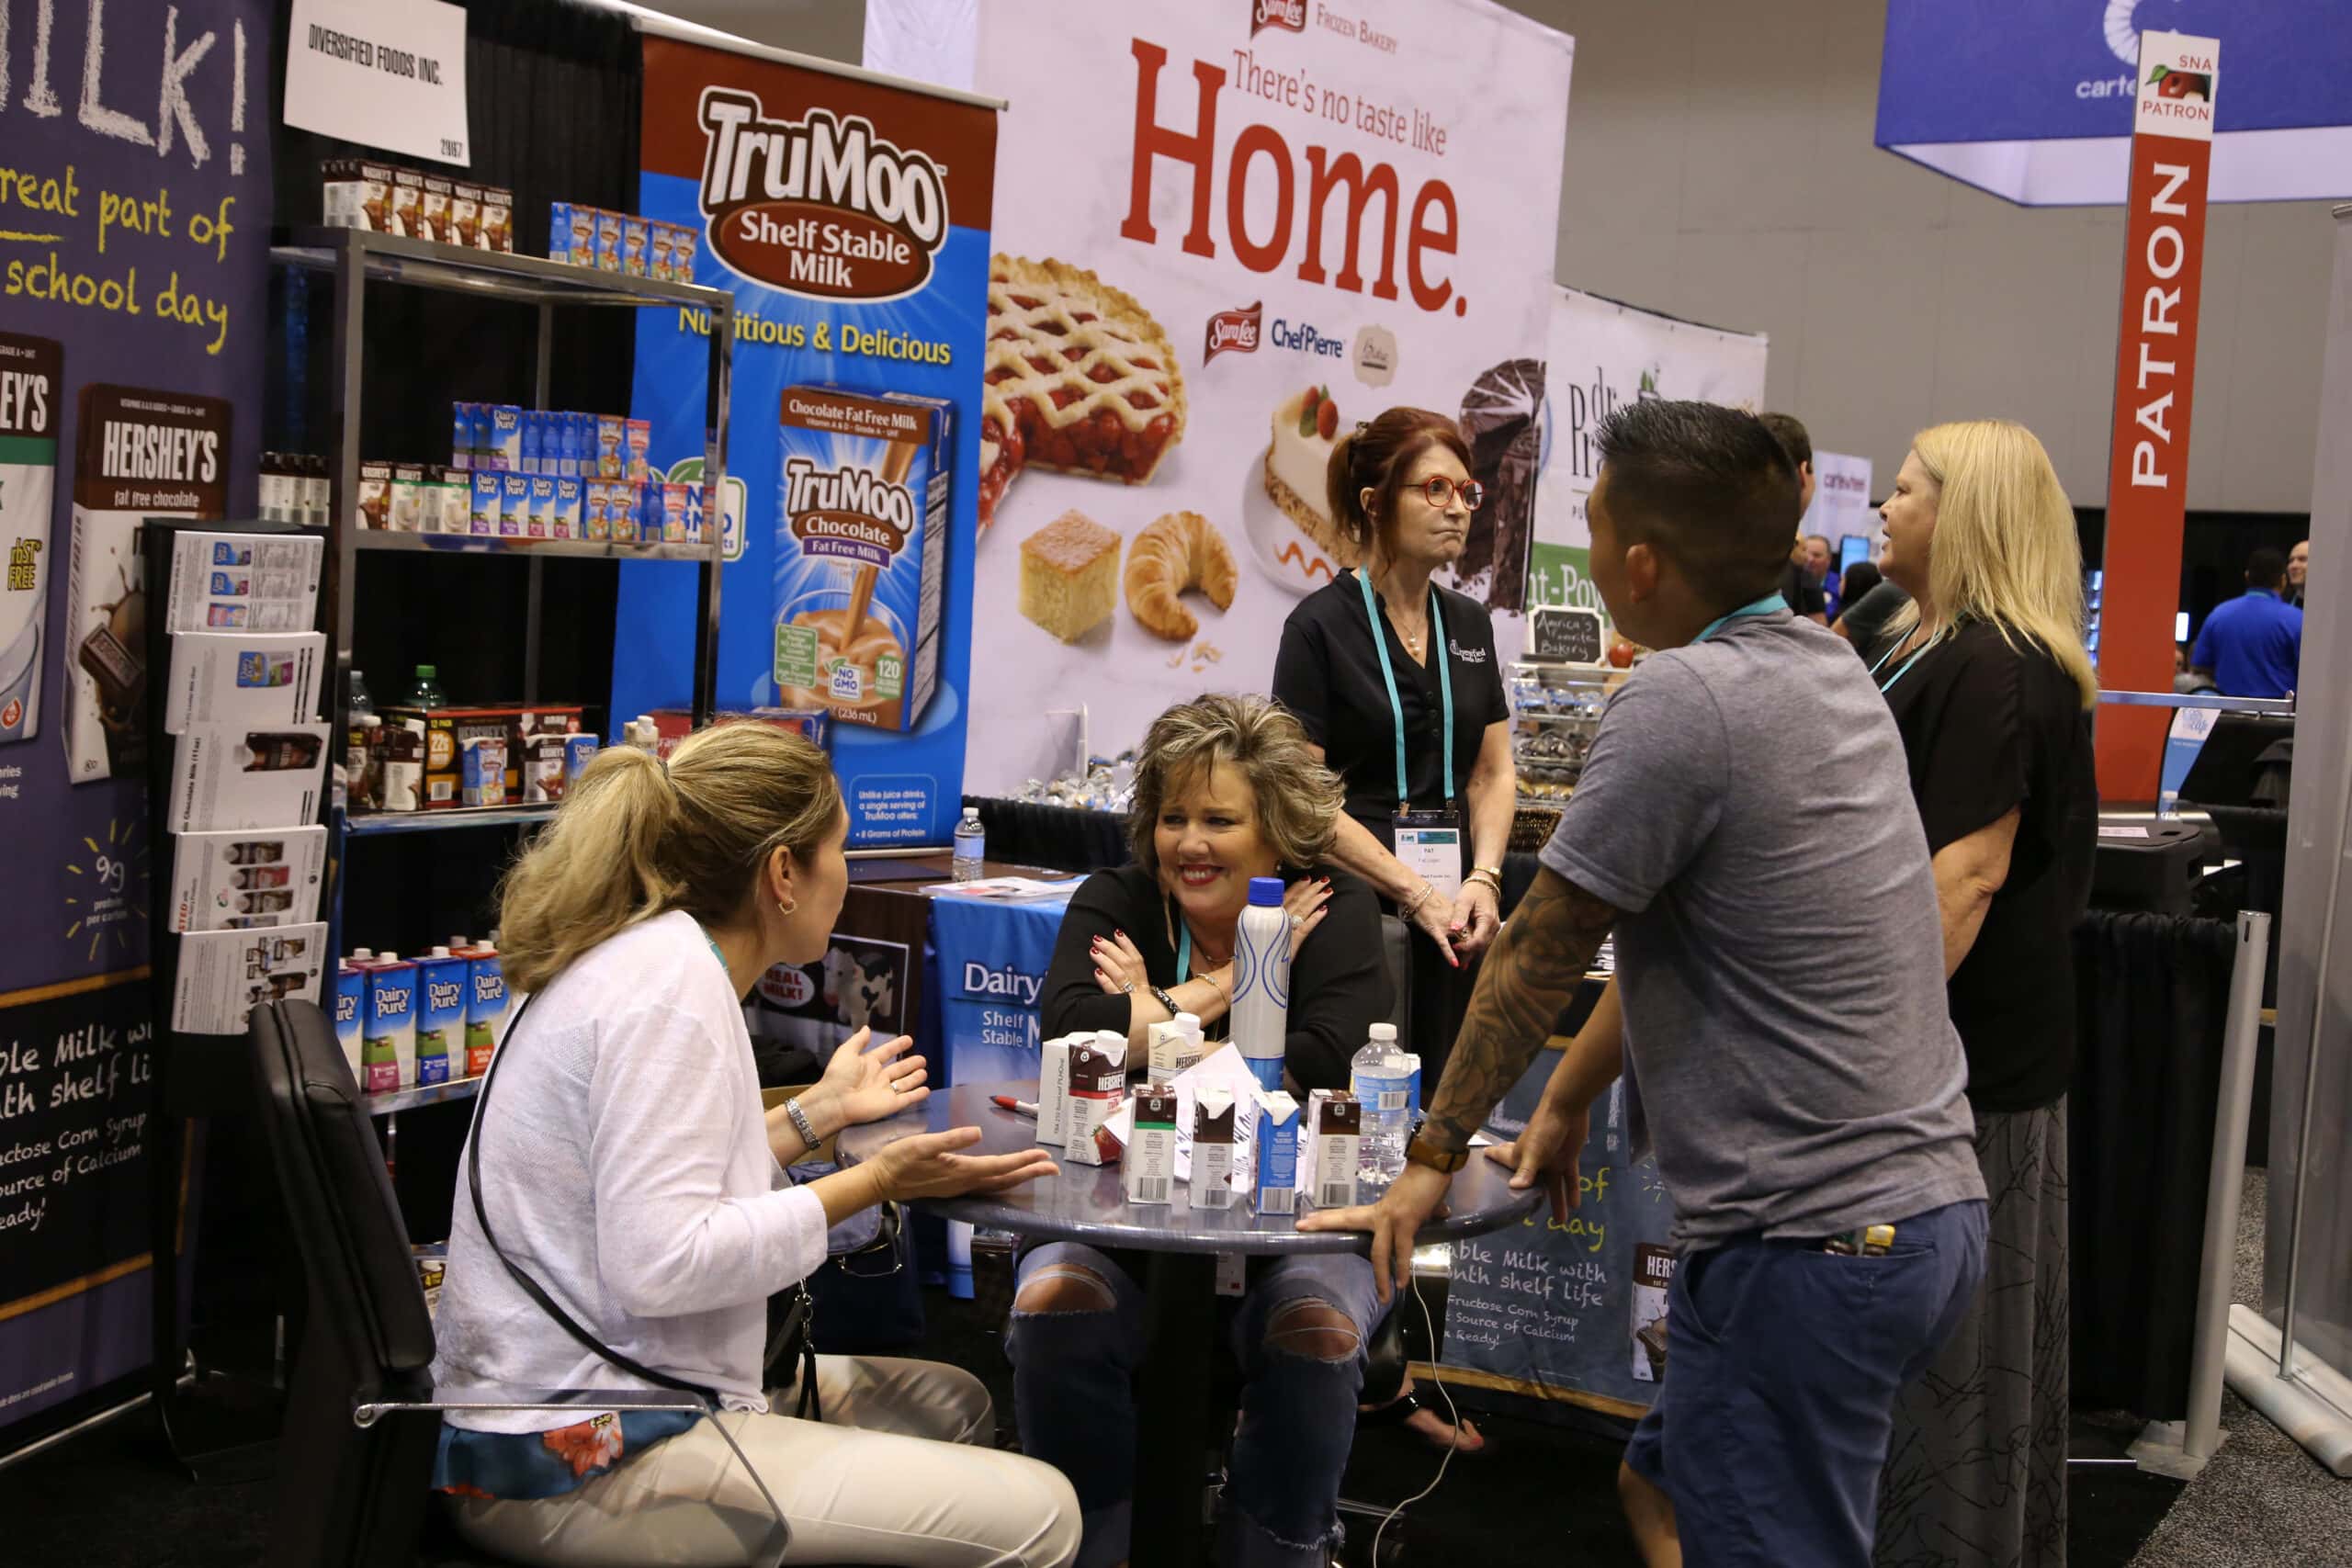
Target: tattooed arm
(1543,954)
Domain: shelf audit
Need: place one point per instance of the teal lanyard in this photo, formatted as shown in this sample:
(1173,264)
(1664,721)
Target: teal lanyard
(1183,950)
(1397,708)
(1763,606)
(1905,668)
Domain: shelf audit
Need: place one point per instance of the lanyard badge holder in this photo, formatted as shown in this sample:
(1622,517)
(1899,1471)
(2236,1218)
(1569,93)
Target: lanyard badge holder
(1429,844)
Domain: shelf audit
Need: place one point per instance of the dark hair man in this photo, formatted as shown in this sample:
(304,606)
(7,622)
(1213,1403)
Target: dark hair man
(2253,645)
(1801,587)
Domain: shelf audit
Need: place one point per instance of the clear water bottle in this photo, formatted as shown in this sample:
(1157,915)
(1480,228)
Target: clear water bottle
(356,697)
(427,691)
(1387,1080)
(1261,982)
(971,846)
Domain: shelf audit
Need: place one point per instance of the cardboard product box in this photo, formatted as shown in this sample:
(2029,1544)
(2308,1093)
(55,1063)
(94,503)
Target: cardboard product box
(560,231)
(465,213)
(251,880)
(1053,1090)
(482,770)
(684,243)
(461,434)
(375,495)
(502,442)
(441,988)
(400,766)
(485,1005)
(443,733)
(408,497)
(1175,1046)
(862,510)
(1098,1089)
(544,774)
(635,246)
(433,210)
(1148,1167)
(608,241)
(539,521)
(488,491)
(388,1033)
(1275,1185)
(570,519)
(636,458)
(357,194)
(659,250)
(408,204)
(514,505)
(1214,1147)
(350,1001)
(497,232)
(1331,1148)
(579,751)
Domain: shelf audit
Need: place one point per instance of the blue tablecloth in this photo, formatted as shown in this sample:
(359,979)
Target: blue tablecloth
(986,961)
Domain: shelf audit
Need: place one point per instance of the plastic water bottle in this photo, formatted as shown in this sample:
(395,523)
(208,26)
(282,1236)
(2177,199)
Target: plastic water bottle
(357,698)
(971,846)
(428,692)
(1261,982)
(1387,1080)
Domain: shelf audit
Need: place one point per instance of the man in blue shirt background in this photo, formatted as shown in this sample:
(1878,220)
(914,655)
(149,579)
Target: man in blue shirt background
(2252,644)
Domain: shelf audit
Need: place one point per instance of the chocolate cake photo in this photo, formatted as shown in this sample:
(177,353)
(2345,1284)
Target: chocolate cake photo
(1502,416)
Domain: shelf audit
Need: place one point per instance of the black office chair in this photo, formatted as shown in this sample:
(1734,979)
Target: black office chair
(362,1416)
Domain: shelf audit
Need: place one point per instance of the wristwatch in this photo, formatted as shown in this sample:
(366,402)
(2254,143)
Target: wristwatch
(1421,1151)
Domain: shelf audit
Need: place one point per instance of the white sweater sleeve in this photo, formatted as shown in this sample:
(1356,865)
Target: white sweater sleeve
(664,1114)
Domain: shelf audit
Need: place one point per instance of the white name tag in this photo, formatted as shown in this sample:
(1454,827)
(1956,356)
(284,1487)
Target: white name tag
(1434,854)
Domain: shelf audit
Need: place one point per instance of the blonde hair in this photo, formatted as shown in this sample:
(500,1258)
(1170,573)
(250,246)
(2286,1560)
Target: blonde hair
(1297,798)
(637,837)
(2005,549)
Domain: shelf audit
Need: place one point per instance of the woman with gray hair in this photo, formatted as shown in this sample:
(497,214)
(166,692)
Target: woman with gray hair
(1226,789)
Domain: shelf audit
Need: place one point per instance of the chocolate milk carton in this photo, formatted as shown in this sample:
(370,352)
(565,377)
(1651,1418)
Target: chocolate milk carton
(1277,1145)
(1212,1149)
(861,555)
(440,1016)
(1330,1148)
(388,1030)
(1098,1088)
(1148,1167)
(350,1001)
(485,1005)
(1053,1090)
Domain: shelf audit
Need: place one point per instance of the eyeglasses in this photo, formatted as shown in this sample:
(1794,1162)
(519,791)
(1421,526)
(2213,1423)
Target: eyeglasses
(1440,492)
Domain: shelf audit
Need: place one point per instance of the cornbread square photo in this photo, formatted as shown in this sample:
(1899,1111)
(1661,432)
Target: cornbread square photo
(1069,575)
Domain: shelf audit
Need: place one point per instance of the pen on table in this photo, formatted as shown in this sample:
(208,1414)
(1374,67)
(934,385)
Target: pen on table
(1018,1107)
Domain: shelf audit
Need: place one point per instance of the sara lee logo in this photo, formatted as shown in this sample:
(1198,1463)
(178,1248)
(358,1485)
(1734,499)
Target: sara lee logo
(1233,330)
(823,205)
(1288,15)
(847,513)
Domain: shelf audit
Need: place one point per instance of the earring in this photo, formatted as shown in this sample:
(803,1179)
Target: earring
(785,907)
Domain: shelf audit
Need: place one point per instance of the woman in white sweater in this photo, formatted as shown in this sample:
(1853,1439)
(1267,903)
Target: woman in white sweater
(626,1167)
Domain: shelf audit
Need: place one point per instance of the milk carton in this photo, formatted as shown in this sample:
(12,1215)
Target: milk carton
(388,1041)
(1332,1147)
(570,517)
(1277,1145)
(863,506)
(513,505)
(1174,1046)
(1148,1167)
(540,519)
(505,445)
(1053,1090)
(1098,1088)
(441,986)
(1212,1149)
(489,493)
(486,1006)
(350,1001)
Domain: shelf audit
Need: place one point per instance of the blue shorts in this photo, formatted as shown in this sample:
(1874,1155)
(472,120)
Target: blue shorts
(1782,1363)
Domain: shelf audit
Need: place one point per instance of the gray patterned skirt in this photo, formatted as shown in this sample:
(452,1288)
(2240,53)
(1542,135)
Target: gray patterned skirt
(1976,1474)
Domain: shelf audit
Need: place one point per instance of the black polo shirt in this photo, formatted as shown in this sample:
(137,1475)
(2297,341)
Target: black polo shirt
(1328,674)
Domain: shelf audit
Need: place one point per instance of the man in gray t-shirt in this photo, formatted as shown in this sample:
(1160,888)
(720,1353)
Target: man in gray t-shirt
(1816,1141)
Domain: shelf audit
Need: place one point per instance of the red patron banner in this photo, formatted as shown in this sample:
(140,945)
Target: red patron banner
(2155,372)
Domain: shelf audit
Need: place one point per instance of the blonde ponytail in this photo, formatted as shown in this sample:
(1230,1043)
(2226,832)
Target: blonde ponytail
(637,837)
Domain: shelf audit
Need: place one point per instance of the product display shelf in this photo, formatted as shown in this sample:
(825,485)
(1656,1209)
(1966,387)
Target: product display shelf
(366,824)
(1556,712)
(500,545)
(392,1101)
(352,257)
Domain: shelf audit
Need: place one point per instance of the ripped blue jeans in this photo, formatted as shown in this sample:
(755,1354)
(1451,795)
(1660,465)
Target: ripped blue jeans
(1073,1379)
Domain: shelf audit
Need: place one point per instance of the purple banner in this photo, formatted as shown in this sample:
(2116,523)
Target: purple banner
(134,232)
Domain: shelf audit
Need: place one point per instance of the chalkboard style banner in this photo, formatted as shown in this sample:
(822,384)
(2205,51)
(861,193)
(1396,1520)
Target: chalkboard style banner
(1558,1311)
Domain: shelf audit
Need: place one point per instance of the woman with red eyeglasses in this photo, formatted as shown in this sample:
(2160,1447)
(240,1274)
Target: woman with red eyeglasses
(1395,680)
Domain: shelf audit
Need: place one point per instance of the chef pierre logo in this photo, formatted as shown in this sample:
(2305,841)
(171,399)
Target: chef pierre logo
(1234,331)
(1288,15)
(823,205)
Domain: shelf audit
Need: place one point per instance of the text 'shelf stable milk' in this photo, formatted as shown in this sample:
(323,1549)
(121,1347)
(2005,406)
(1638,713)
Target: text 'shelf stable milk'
(31,384)
(441,988)
(388,1041)
(350,1001)
(486,1006)
(861,554)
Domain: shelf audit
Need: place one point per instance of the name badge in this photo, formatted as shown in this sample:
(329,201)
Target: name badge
(1428,845)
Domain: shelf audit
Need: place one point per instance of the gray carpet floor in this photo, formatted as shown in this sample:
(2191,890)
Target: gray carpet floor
(2261,1501)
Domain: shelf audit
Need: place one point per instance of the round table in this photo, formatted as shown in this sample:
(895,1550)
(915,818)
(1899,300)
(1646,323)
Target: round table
(1088,1203)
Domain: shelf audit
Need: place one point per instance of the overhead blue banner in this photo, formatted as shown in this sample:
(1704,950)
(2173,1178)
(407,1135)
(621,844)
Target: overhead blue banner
(850,218)
(1980,89)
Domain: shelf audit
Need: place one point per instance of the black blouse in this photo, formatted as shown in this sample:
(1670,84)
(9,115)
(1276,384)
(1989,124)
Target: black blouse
(1339,981)
(1328,674)
(1988,728)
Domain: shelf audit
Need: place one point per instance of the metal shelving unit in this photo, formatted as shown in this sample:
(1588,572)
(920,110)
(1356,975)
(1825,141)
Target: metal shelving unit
(395,1101)
(354,257)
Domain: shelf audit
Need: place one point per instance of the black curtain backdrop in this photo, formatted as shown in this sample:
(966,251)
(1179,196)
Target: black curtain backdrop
(2151,994)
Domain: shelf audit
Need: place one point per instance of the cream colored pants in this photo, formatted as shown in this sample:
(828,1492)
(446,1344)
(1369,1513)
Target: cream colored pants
(899,1473)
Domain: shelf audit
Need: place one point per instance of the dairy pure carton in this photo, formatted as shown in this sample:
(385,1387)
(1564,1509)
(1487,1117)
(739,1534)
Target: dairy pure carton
(861,555)
(488,489)
(1212,1149)
(485,1005)
(1276,1183)
(441,986)
(514,505)
(1330,1147)
(387,1036)
(350,1001)
(1148,1167)
(1053,1089)
(1098,1088)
